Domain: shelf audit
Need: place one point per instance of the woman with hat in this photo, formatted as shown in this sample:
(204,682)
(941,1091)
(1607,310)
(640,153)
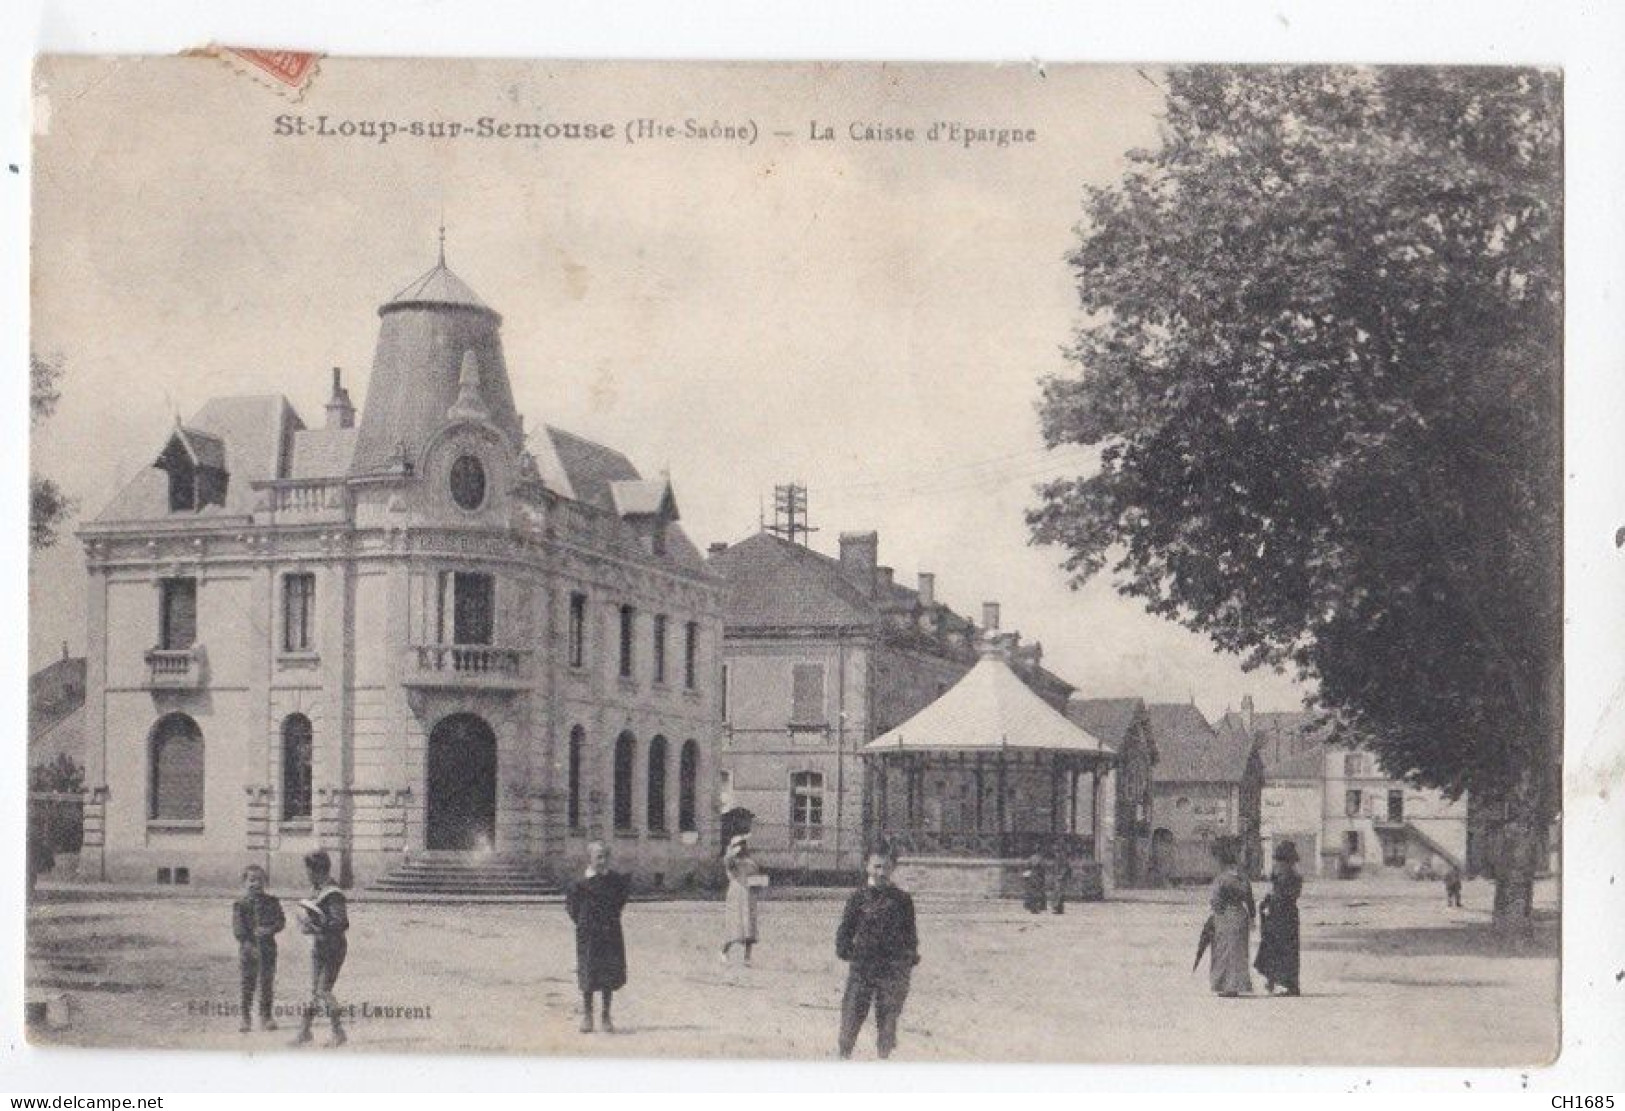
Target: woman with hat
(741,908)
(1278,923)
(1231,900)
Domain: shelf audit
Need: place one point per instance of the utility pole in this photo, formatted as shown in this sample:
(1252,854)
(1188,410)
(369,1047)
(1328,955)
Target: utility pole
(790,513)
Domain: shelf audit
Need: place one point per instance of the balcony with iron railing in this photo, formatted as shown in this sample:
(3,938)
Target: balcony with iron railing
(467,667)
(175,668)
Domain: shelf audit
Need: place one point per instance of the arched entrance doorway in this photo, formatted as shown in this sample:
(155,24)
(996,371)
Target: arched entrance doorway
(462,785)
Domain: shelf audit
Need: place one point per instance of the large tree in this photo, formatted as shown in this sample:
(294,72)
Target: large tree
(1321,359)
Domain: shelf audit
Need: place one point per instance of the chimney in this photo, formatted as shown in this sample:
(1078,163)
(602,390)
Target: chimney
(884,579)
(1247,713)
(340,413)
(990,617)
(928,589)
(860,552)
(717,547)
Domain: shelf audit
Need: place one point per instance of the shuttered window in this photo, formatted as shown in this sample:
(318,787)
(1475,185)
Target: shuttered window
(807,695)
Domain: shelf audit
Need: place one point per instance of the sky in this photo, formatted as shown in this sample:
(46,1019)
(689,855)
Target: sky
(870,319)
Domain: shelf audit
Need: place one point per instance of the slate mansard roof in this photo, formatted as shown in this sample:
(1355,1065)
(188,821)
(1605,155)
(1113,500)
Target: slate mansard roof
(426,331)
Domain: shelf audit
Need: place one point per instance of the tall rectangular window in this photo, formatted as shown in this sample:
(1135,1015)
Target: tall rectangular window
(467,607)
(1396,806)
(806,808)
(629,621)
(298,611)
(1351,804)
(691,655)
(578,630)
(726,715)
(177,614)
(1353,765)
(660,647)
(1351,842)
(807,694)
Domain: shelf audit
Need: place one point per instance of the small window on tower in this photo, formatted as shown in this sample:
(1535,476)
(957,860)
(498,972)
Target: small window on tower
(468,482)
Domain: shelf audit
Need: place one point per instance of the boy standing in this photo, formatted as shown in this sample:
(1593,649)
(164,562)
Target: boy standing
(256,919)
(877,937)
(326,918)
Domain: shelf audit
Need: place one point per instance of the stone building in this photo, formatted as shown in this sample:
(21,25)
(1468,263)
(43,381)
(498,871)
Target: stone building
(1125,727)
(420,632)
(822,655)
(1346,816)
(1204,784)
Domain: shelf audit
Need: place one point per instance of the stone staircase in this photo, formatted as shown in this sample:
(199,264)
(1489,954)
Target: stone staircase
(467,875)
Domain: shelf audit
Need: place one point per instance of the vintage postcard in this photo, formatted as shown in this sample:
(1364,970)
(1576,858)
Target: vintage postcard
(980,563)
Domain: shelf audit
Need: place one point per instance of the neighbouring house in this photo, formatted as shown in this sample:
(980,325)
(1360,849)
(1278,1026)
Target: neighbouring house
(416,636)
(1337,800)
(1204,785)
(820,656)
(1125,726)
(56,711)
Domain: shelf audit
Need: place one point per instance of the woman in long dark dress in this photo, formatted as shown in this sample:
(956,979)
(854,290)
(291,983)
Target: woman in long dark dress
(1231,901)
(1278,923)
(594,903)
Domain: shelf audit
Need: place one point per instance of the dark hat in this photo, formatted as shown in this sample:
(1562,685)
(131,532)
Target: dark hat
(1286,851)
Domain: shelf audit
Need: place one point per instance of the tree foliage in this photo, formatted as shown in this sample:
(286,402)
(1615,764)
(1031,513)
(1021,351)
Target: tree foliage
(48,506)
(1322,361)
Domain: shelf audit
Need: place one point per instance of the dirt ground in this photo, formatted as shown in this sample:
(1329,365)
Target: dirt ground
(1390,977)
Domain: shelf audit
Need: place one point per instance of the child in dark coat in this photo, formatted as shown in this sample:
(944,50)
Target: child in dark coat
(256,919)
(594,903)
(326,918)
(877,937)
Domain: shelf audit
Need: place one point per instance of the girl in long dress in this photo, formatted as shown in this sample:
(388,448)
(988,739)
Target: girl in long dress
(1278,923)
(1231,901)
(741,907)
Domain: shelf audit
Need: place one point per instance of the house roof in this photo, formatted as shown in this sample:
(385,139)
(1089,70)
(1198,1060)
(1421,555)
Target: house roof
(772,582)
(322,452)
(591,468)
(200,448)
(56,711)
(990,709)
(256,435)
(1107,718)
(439,286)
(1291,744)
(642,498)
(1189,750)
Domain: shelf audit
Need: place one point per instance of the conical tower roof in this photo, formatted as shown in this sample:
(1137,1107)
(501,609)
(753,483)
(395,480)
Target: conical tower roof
(426,334)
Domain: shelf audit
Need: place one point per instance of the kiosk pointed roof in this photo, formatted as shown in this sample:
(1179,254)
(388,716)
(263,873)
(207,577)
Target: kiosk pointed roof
(989,709)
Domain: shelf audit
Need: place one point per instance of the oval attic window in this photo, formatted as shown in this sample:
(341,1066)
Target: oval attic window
(468,482)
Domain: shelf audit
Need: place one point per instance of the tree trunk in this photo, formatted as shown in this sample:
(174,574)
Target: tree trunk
(1520,844)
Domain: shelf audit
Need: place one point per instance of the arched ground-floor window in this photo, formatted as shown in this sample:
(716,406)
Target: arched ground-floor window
(626,754)
(656,792)
(296,764)
(176,768)
(688,785)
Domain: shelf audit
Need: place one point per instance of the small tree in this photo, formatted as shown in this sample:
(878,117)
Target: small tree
(1322,365)
(48,506)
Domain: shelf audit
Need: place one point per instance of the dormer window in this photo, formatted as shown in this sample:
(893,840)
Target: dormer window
(196,465)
